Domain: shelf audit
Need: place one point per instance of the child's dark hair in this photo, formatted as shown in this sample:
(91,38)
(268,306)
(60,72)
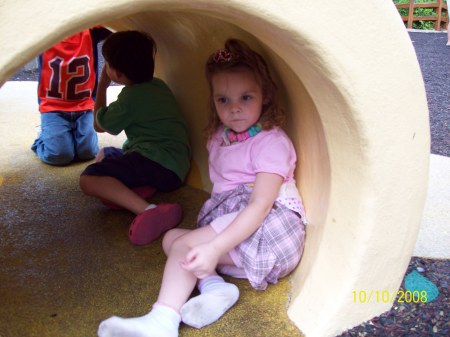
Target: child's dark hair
(132,53)
(236,56)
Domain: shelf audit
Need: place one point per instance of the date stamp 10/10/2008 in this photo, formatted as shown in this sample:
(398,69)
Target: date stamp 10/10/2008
(386,296)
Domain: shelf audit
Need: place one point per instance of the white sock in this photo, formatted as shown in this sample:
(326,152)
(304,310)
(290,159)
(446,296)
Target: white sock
(150,207)
(161,321)
(215,299)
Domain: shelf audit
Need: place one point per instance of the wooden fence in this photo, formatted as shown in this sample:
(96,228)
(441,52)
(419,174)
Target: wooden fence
(440,20)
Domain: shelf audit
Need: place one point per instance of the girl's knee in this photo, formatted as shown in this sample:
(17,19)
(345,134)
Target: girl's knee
(167,241)
(180,239)
(170,237)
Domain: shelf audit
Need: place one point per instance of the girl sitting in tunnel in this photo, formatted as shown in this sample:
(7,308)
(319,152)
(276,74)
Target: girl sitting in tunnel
(156,154)
(252,226)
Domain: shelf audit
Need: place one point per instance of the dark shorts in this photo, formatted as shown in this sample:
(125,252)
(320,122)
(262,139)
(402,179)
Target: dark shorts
(134,170)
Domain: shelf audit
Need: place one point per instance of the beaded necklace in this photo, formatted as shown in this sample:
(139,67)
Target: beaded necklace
(230,137)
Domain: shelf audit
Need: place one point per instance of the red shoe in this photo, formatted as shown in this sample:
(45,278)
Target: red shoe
(150,224)
(145,192)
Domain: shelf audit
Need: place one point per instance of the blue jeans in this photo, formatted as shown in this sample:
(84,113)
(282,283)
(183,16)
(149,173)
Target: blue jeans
(66,136)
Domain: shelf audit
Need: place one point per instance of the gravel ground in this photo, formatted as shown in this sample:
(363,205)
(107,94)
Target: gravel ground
(434,60)
(410,319)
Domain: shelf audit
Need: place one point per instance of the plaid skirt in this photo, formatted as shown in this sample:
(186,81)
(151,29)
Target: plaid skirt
(273,250)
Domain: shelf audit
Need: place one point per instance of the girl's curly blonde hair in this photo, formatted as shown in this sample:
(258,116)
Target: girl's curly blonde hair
(236,56)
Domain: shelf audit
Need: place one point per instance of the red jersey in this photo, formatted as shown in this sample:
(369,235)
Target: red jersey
(67,79)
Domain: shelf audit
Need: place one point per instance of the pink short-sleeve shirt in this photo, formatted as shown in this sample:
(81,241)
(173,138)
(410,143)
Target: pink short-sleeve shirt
(269,151)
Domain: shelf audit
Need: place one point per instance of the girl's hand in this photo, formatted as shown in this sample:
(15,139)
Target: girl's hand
(201,260)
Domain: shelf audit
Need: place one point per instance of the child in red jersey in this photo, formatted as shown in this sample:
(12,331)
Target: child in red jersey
(66,92)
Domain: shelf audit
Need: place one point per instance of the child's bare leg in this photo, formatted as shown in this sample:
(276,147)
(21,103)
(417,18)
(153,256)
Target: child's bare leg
(216,297)
(171,293)
(113,190)
(177,285)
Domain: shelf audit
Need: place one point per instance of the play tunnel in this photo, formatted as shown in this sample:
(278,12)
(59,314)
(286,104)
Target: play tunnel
(357,115)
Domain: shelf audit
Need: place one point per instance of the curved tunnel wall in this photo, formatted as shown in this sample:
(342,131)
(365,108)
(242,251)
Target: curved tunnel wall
(357,116)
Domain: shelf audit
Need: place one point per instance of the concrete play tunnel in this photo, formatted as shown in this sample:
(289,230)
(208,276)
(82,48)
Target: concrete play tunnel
(357,114)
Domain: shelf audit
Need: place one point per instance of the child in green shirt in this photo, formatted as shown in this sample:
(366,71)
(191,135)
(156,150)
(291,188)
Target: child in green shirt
(156,154)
